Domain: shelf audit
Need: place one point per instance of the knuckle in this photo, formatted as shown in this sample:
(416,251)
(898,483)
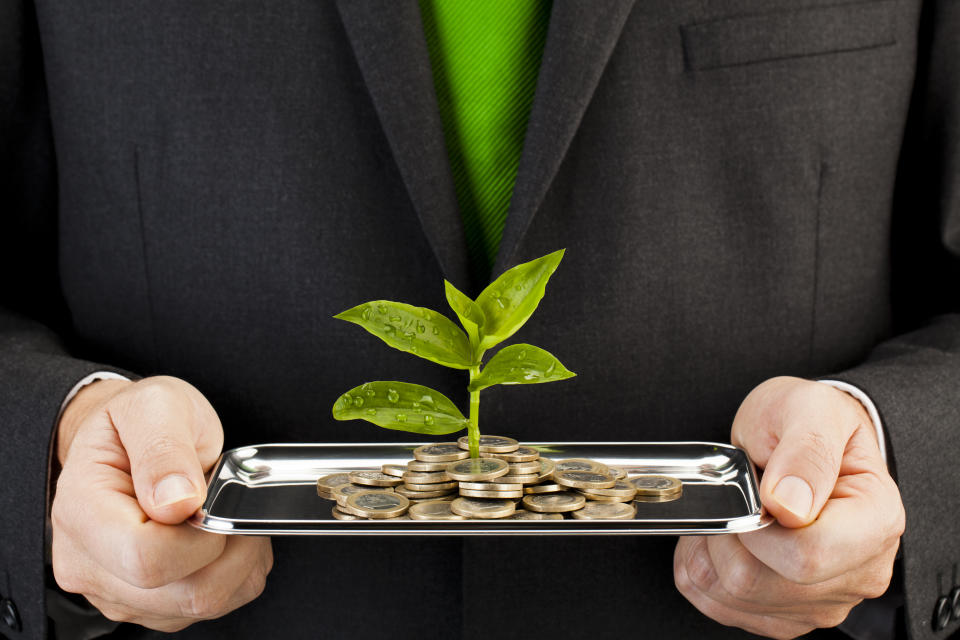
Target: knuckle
(701,572)
(829,617)
(205,601)
(807,566)
(142,567)
(740,581)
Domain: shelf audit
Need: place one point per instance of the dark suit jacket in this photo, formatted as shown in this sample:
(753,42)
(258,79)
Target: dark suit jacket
(745,188)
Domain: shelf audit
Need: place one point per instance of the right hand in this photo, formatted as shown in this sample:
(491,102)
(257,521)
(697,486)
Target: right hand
(133,456)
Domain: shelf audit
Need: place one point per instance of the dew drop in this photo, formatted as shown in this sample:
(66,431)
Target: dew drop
(428,419)
(519,287)
(370,393)
(500,302)
(436,331)
(522,354)
(365,314)
(395,318)
(401,417)
(358,401)
(409,335)
(416,407)
(427,315)
(495,293)
(371,412)
(389,329)
(381,308)
(392,395)
(421,327)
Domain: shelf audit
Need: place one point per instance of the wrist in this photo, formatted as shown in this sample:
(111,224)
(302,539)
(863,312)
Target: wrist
(87,399)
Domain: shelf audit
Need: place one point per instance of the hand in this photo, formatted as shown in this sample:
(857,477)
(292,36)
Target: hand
(133,458)
(839,517)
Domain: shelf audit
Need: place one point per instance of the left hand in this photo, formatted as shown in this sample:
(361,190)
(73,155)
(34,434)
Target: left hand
(839,517)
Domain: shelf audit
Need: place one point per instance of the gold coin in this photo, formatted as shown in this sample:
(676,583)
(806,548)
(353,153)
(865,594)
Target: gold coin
(421,466)
(651,485)
(670,497)
(374,479)
(598,498)
(547,467)
(554,502)
(584,479)
(484,509)
(522,454)
(350,511)
(606,511)
(543,488)
(580,464)
(377,504)
(326,484)
(440,452)
(425,477)
(491,486)
(477,469)
(523,514)
(341,493)
(339,514)
(395,470)
(520,468)
(491,444)
(433,486)
(474,493)
(527,478)
(432,493)
(621,489)
(433,510)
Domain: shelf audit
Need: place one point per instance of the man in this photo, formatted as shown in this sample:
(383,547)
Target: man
(746,192)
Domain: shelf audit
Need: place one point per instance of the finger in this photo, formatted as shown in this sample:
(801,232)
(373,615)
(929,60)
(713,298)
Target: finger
(803,468)
(859,527)
(764,625)
(97,508)
(170,436)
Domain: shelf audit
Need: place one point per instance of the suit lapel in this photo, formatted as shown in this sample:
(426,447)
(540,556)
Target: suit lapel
(391,50)
(580,39)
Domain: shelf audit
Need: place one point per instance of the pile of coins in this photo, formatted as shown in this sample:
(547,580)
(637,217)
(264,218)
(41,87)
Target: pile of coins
(507,481)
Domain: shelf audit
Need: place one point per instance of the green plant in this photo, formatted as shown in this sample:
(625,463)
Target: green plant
(497,313)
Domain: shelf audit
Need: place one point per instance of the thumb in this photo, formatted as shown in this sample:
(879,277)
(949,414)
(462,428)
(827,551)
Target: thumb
(165,438)
(802,472)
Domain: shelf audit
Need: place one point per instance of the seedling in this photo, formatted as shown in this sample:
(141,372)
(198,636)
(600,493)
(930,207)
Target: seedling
(497,313)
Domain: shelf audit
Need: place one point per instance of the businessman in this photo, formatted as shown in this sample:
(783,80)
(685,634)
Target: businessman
(760,203)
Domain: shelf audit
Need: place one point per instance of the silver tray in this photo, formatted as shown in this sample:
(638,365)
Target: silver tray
(270,489)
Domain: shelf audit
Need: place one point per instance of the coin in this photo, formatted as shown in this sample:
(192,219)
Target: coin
(433,510)
(339,514)
(598,498)
(584,479)
(477,469)
(395,470)
(543,488)
(344,491)
(326,484)
(432,493)
(440,452)
(670,497)
(484,509)
(522,454)
(347,509)
(491,486)
(425,477)
(621,489)
(617,473)
(523,514)
(491,444)
(433,486)
(547,467)
(580,464)
(520,468)
(651,485)
(527,478)
(606,511)
(378,504)
(473,493)
(419,465)
(374,479)
(554,502)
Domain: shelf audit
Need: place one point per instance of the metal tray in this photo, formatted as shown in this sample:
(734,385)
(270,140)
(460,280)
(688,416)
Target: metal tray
(270,489)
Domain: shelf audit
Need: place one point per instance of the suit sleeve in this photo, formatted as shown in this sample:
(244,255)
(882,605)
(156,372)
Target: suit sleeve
(37,369)
(914,379)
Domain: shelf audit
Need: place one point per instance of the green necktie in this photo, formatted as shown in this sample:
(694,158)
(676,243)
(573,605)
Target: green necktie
(485,56)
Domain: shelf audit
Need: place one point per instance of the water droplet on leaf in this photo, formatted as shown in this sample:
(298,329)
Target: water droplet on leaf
(401,417)
(421,327)
(365,314)
(428,419)
(392,395)
(371,412)
(436,331)
(395,318)
(358,401)
(409,335)
(381,308)
(416,407)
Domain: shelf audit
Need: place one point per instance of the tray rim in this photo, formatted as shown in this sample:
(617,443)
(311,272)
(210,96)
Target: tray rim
(740,524)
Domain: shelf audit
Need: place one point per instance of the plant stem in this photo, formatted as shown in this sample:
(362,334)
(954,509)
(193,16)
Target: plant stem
(473,430)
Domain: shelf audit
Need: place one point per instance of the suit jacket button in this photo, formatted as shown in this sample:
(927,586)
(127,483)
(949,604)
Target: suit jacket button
(8,613)
(941,613)
(955,603)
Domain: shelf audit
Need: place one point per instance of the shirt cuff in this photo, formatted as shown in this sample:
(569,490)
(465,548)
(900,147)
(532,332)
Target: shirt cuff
(871,408)
(90,379)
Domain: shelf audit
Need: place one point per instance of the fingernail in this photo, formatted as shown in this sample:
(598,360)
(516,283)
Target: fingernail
(794,495)
(173,488)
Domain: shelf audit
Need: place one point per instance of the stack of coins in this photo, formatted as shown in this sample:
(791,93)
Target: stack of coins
(507,481)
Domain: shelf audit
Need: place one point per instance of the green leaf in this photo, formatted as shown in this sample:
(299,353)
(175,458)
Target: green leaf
(469,312)
(416,330)
(401,406)
(513,297)
(520,364)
